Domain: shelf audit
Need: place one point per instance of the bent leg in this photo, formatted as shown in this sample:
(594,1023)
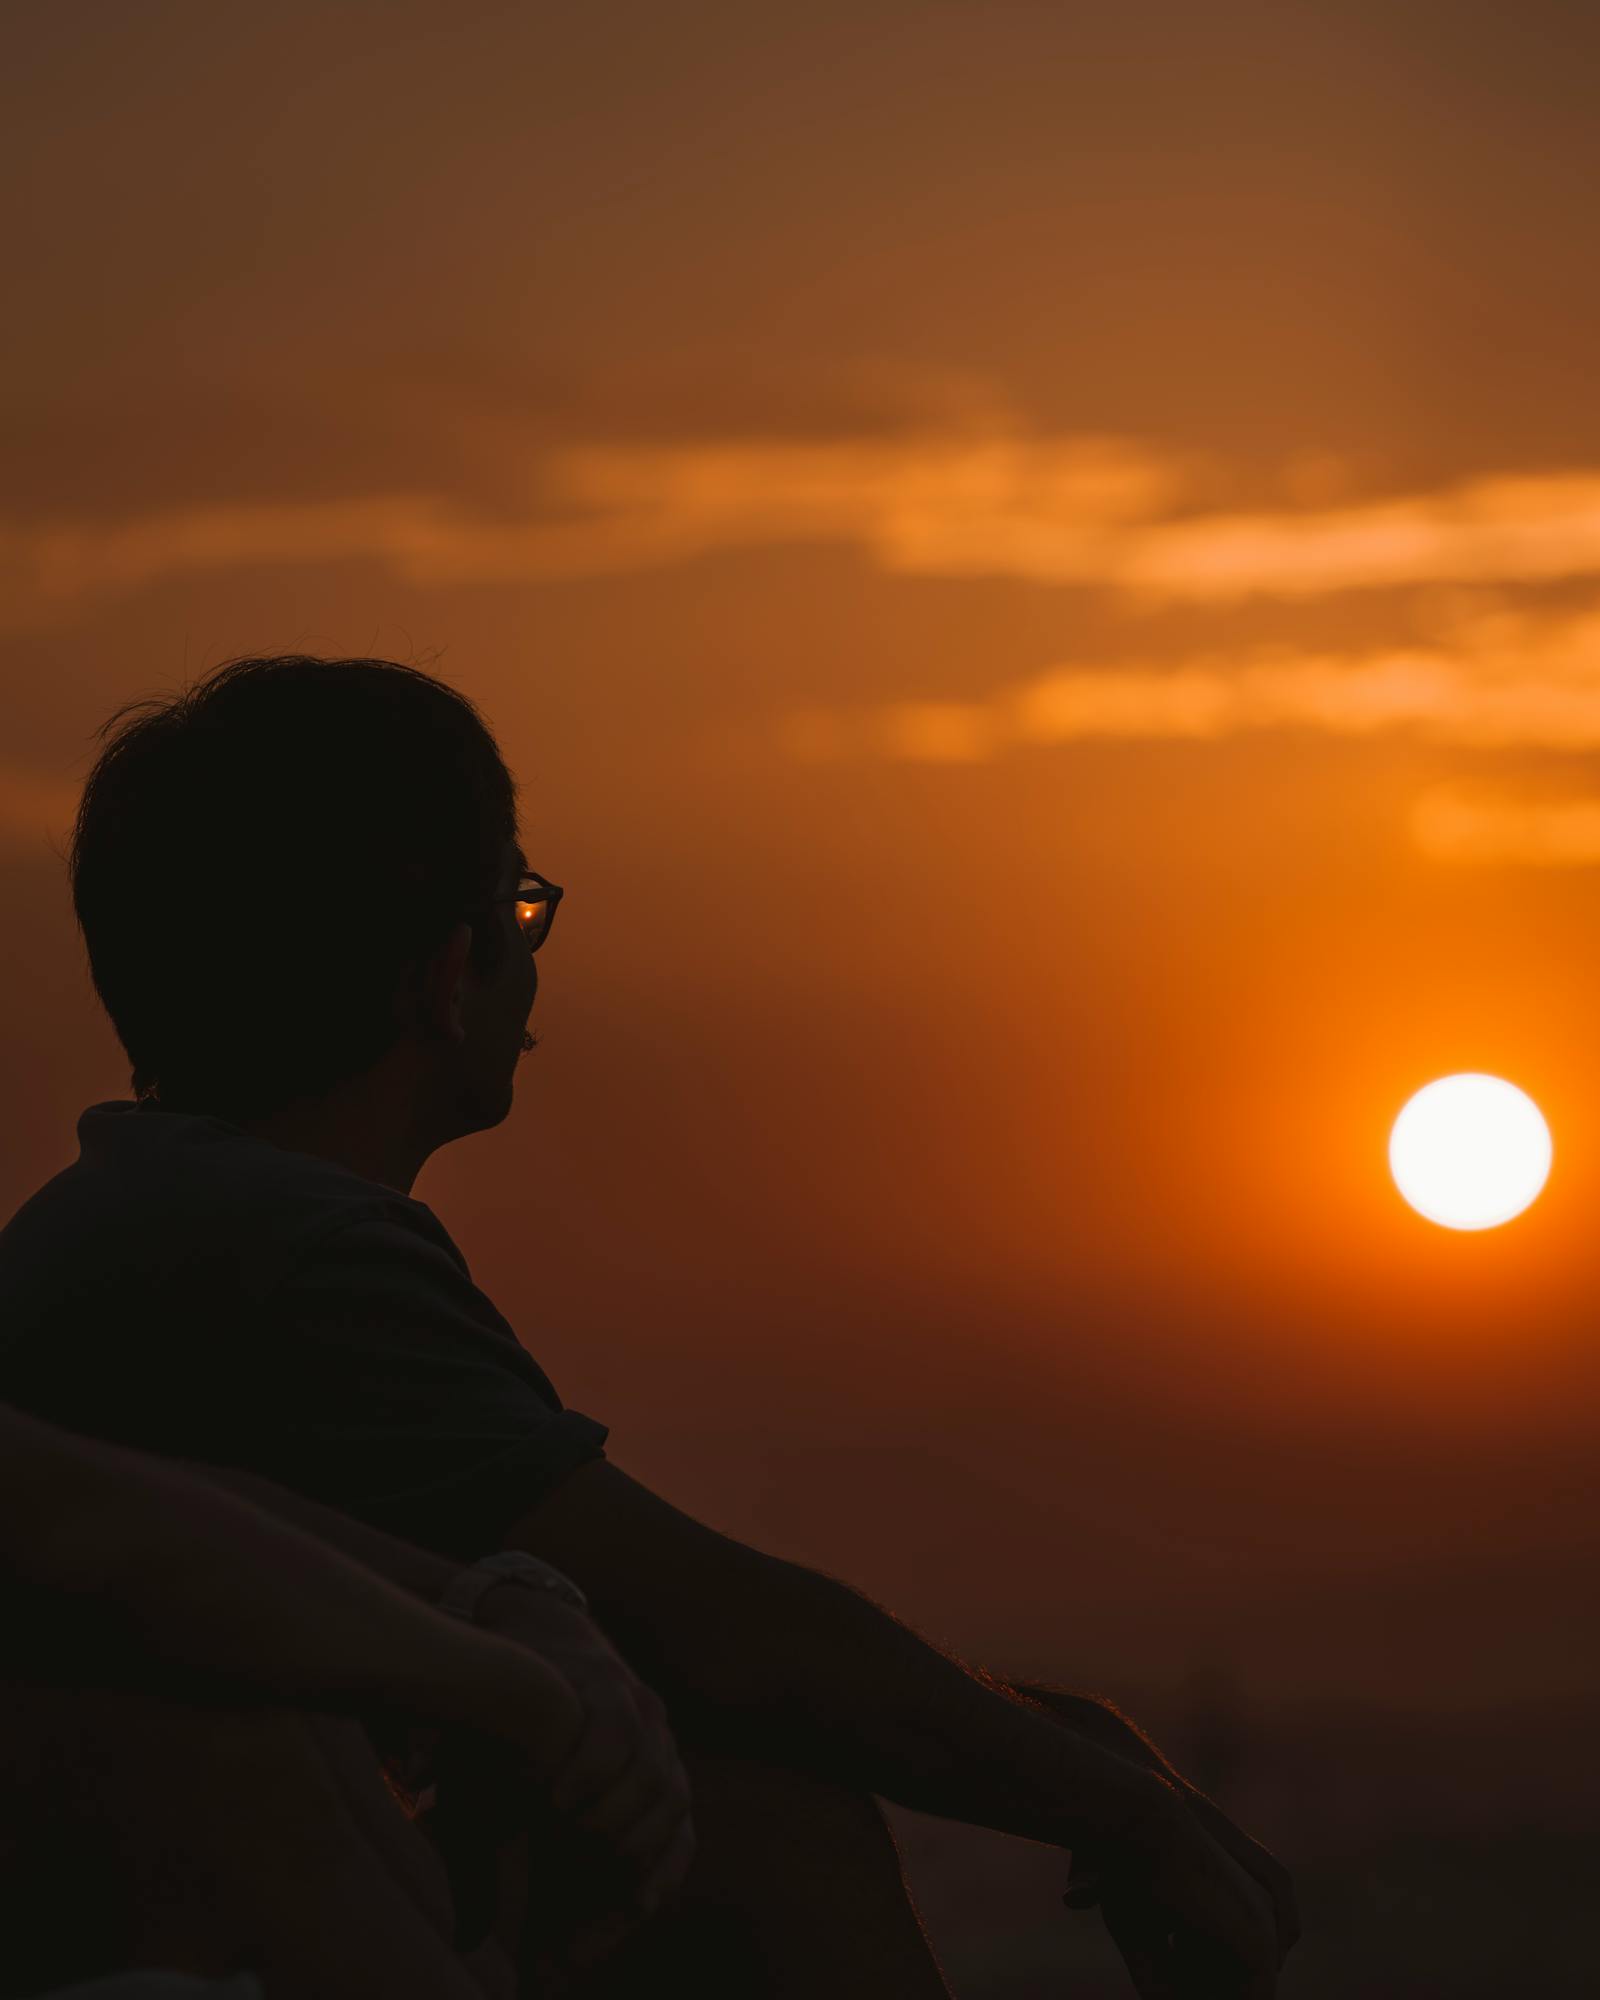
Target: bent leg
(795,1893)
(212,1841)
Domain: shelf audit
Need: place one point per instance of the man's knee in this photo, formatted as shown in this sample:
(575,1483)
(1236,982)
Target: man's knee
(796,1888)
(185,1835)
(94,1819)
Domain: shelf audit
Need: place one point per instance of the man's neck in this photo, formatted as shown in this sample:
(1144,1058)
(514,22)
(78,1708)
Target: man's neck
(362,1126)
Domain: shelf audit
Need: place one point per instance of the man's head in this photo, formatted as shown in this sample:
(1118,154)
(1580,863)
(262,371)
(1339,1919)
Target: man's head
(295,868)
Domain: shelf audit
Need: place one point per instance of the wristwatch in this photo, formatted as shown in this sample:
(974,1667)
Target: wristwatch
(508,1566)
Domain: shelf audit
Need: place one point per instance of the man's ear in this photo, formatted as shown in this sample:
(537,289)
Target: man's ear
(439,1001)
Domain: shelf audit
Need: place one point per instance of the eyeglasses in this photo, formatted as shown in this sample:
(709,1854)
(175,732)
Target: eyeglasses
(535,902)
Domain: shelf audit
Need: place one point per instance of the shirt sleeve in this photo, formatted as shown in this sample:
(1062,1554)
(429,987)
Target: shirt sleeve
(394,1390)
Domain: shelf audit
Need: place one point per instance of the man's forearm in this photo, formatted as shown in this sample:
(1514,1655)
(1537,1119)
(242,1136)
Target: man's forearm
(128,1571)
(1101,1721)
(415,1570)
(760,1657)
(766,1659)
(796,1667)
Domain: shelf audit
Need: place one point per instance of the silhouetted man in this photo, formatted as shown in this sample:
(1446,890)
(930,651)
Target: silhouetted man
(312,926)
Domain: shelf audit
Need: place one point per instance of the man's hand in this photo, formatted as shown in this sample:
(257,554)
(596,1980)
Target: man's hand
(1190,1923)
(1258,1862)
(621,1781)
(1102,1724)
(592,1778)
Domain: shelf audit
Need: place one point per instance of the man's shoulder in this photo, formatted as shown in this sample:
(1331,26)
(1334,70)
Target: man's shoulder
(175,1199)
(189,1289)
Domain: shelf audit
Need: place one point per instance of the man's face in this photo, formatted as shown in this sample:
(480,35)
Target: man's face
(495,1010)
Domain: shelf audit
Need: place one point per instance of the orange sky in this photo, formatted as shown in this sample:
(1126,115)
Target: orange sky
(1040,570)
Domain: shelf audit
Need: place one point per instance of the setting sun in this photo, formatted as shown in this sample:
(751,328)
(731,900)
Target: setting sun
(1470,1151)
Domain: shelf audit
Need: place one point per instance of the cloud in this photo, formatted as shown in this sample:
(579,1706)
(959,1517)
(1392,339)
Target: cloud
(1483,824)
(942,732)
(1498,683)
(1495,681)
(979,500)
(984,500)
(1496,530)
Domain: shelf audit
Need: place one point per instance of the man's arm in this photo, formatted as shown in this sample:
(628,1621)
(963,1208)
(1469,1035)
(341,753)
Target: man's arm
(126,1570)
(416,1571)
(766,1658)
(1100,1720)
(763,1657)
(129,1571)
(972,1718)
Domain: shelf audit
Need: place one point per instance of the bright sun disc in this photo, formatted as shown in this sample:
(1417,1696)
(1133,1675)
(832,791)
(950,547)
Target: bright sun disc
(1470,1151)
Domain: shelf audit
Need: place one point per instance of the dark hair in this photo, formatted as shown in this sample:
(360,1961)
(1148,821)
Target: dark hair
(261,861)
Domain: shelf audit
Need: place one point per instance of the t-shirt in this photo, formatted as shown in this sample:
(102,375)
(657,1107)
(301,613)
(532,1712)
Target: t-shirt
(189,1289)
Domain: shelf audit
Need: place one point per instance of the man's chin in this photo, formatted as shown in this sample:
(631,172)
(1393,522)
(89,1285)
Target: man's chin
(482,1111)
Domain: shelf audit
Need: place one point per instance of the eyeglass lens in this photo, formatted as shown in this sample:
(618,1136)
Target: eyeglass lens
(533,917)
